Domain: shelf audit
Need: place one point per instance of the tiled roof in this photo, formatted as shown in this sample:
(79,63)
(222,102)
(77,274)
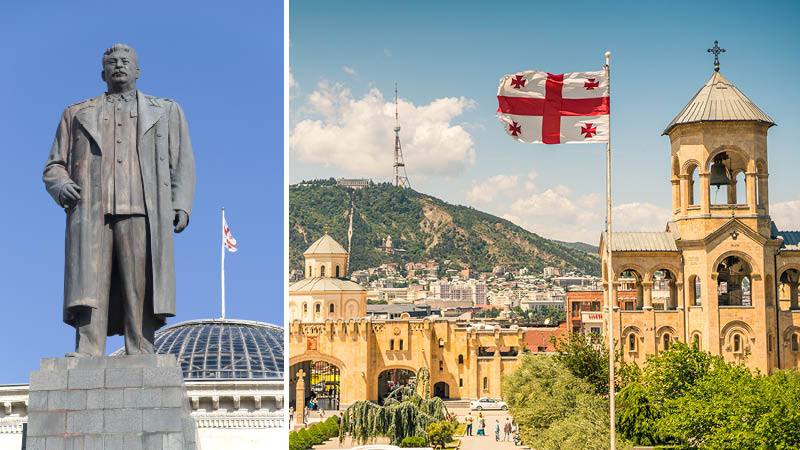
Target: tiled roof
(719,100)
(319,284)
(642,241)
(325,245)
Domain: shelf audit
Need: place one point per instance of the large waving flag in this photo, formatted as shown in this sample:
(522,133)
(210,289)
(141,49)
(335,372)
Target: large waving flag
(540,107)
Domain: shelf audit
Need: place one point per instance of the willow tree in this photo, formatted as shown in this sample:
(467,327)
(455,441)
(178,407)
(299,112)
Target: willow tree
(406,412)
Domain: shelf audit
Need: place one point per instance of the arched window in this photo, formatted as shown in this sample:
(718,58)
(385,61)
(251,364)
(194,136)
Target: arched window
(310,272)
(631,343)
(460,382)
(733,282)
(696,341)
(630,288)
(741,188)
(694,186)
(317,308)
(664,287)
(695,291)
(322,271)
(788,289)
(737,344)
(330,308)
(794,342)
(485,383)
(441,365)
(461,359)
(305,307)
(666,342)
(337,271)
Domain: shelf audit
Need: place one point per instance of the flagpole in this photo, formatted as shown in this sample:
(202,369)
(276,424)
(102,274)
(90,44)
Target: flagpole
(610,275)
(222,271)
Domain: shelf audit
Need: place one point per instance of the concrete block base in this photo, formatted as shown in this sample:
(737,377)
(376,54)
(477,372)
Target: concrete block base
(108,403)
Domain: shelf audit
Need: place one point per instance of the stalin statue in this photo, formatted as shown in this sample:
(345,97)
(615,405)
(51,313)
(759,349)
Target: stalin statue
(121,166)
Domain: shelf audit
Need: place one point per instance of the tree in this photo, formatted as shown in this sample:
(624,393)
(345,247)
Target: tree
(554,408)
(585,357)
(406,412)
(440,433)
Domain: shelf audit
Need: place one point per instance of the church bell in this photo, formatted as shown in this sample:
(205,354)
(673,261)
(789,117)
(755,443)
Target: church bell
(719,173)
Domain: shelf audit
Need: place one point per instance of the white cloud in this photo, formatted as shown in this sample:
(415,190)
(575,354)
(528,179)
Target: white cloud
(357,134)
(484,192)
(559,212)
(349,70)
(786,215)
(292,82)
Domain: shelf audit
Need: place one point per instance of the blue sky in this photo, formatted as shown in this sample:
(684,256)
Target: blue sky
(447,58)
(225,67)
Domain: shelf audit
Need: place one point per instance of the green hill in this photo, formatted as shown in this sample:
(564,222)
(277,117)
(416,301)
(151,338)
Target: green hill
(426,227)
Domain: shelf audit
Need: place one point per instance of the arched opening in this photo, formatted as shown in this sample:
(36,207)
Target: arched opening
(794,342)
(694,185)
(665,290)
(305,308)
(737,343)
(392,379)
(321,381)
(665,341)
(787,290)
(696,340)
(631,342)
(695,291)
(441,390)
(317,308)
(337,271)
(331,308)
(310,272)
(460,359)
(486,382)
(740,189)
(733,282)
(630,294)
(322,271)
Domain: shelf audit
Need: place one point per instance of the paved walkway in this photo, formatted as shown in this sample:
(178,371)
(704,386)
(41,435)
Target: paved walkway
(487,442)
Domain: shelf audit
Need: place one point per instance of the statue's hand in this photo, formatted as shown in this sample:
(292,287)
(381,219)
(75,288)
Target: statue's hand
(181,220)
(70,195)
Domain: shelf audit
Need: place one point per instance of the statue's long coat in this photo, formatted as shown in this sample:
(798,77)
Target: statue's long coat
(168,177)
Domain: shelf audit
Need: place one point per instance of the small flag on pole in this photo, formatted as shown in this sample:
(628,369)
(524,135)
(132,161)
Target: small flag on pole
(540,107)
(227,238)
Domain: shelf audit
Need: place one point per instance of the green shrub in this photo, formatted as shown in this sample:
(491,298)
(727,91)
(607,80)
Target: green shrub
(294,442)
(413,442)
(332,426)
(317,435)
(305,438)
(441,433)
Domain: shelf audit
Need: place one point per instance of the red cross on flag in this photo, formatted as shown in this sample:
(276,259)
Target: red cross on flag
(540,107)
(227,238)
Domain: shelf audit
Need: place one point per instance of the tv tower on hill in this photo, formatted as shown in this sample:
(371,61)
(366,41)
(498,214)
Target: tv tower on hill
(397,178)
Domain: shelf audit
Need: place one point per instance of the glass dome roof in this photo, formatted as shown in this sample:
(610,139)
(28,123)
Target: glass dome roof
(215,349)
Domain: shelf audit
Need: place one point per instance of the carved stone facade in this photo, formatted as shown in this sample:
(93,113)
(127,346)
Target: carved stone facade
(468,360)
(722,275)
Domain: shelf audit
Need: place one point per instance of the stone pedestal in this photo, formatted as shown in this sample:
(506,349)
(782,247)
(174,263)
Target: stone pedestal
(109,403)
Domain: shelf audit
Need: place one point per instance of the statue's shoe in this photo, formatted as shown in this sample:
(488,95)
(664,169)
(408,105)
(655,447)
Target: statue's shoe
(78,355)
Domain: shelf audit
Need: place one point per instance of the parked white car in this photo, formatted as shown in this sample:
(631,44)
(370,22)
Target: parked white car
(487,403)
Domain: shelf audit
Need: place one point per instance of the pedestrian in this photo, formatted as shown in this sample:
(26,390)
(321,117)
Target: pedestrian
(497,429)
(291,415)
(321,412)
(483,425)
(468,421)
(305,414)
(507,430)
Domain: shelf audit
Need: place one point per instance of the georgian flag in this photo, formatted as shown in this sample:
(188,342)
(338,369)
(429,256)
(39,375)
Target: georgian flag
(227,238)
(539,107)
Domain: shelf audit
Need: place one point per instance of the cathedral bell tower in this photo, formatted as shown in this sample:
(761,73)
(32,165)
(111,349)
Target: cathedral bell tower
(719,161)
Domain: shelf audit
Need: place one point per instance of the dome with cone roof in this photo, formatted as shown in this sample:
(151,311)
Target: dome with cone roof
(718,100)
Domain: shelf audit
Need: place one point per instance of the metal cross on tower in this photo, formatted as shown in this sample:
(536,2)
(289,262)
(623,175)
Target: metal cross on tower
(716,51)
(397,178)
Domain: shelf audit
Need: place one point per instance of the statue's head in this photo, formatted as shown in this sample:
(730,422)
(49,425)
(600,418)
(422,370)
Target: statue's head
(120,67)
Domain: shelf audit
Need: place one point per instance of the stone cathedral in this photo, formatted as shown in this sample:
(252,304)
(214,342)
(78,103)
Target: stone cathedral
(721,276)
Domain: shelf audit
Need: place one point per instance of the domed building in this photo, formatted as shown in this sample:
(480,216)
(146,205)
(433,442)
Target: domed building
(233,370)
(326,293)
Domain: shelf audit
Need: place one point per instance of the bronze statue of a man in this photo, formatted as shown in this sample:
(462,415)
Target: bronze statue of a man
(121,165)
